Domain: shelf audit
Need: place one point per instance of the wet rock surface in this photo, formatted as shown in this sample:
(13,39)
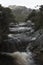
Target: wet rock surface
(31,40)
(22,38)
(20,35)
(37,47)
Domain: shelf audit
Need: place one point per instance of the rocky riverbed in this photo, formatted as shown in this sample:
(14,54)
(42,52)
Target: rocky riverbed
(23,38)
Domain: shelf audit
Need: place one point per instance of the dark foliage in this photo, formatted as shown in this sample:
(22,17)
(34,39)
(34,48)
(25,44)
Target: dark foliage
(37,17)
(6,17)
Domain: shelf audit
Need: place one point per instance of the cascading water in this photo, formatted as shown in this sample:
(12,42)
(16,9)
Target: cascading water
(19,38)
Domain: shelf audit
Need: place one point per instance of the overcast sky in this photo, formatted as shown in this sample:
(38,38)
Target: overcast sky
(27,3)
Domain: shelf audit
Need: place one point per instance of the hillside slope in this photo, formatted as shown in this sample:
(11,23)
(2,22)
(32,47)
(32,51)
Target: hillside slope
(20,12)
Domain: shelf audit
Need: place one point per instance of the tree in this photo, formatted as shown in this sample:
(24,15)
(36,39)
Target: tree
(37,17)
(6,17)
(41,16)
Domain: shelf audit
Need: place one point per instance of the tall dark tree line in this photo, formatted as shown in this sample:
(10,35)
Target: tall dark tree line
(36,16)
(6,17)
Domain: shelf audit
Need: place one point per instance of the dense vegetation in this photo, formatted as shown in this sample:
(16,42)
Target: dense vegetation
(37,17)
(6,17)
